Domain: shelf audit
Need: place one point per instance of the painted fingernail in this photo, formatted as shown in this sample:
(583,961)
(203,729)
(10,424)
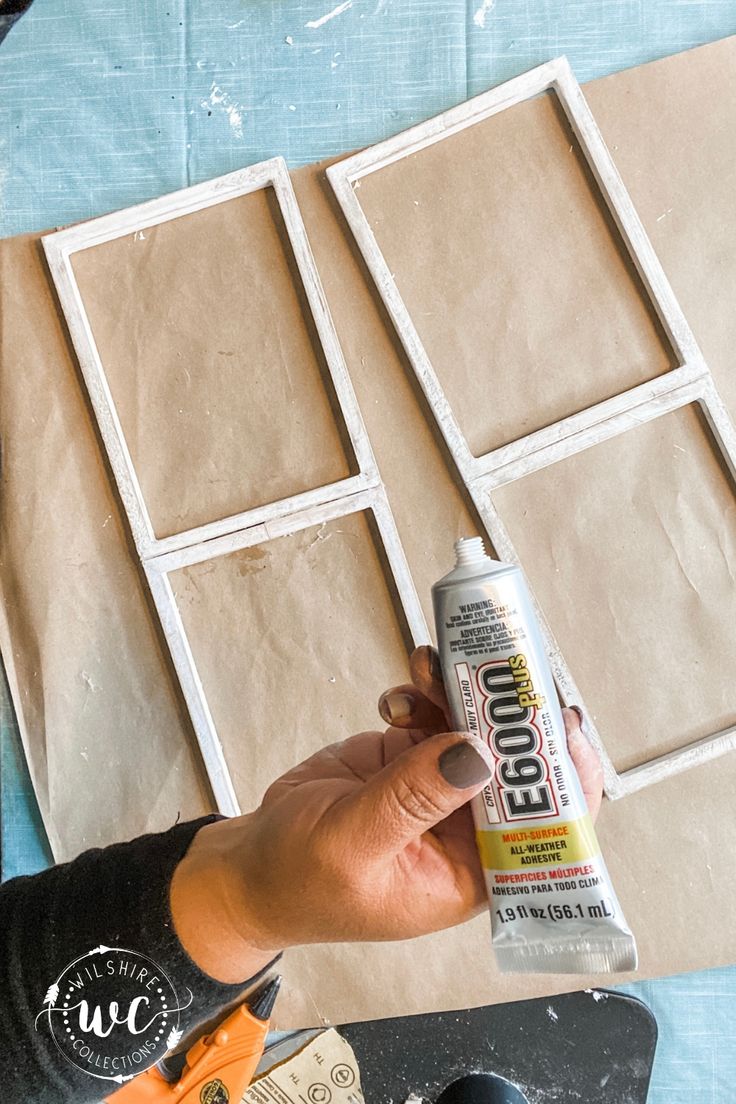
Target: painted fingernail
(581,718)
(463,765)
(395,706)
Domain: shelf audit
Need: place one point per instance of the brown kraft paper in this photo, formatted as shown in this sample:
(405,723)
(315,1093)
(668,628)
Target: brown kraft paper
(530,313)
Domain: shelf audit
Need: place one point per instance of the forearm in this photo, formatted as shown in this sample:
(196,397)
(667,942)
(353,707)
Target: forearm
(116,898)
(215,909)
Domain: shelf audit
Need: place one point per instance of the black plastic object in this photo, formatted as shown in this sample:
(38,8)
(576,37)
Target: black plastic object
(592,1046)
(260,1004)
(482,1088)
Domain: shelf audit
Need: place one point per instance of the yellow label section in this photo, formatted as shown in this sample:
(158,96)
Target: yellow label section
(537,847)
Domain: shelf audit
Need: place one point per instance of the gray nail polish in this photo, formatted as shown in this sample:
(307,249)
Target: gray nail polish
(462,766)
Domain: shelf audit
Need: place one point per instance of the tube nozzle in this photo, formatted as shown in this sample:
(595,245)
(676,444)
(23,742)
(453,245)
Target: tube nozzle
(470,552)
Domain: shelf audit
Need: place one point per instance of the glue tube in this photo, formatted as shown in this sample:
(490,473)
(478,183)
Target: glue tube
(553,908)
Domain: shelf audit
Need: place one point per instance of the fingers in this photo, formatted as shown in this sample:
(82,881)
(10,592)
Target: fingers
(416,791)
(406,707)
(426,674)
(585,760)
(421,703)
(397,740)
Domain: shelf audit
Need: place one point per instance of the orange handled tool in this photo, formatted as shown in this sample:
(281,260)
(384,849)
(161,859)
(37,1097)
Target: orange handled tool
(218,1068)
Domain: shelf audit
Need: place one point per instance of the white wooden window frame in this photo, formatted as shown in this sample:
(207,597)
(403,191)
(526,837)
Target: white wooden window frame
(363,491)
(689,381)
(701,391)
(60,248)
(158,569)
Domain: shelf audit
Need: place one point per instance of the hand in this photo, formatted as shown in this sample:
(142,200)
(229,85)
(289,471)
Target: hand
(369,839)
(414,705)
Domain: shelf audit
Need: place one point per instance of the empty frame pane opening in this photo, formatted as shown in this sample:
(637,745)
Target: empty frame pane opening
(216,371)
(309,633)
(514,275)
(652,561)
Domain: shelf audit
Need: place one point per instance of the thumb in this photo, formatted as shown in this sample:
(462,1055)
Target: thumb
(417,790)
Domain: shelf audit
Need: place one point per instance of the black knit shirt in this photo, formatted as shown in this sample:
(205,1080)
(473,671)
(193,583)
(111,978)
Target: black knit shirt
(96,929)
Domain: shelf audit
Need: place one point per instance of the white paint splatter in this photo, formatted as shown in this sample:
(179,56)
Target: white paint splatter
(480,16)
(552,1014)
(289,40)
(313,24)
(292,107)
(221,99)
(139,236)
(232,26)
(321,536)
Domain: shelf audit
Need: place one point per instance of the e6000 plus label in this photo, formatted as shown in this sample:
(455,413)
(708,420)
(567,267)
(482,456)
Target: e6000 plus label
(509,709)
(553,906)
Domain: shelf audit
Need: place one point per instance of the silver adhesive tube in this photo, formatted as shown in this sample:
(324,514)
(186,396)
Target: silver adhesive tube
(553,908)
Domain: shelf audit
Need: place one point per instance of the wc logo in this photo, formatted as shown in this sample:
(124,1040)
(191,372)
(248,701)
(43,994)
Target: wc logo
(113,1013)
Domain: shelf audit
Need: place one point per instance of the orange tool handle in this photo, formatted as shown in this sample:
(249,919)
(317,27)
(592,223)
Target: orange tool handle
(218,1071)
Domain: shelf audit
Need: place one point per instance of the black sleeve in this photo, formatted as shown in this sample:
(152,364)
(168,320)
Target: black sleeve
(78,937)
(10,12)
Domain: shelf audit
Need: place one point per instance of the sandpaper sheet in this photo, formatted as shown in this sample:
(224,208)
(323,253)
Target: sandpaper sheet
(630,547)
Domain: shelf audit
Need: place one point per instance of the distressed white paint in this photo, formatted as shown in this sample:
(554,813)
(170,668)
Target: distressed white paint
(689,382)
(59,248)
(158,569)
(373,501)
(363,491)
